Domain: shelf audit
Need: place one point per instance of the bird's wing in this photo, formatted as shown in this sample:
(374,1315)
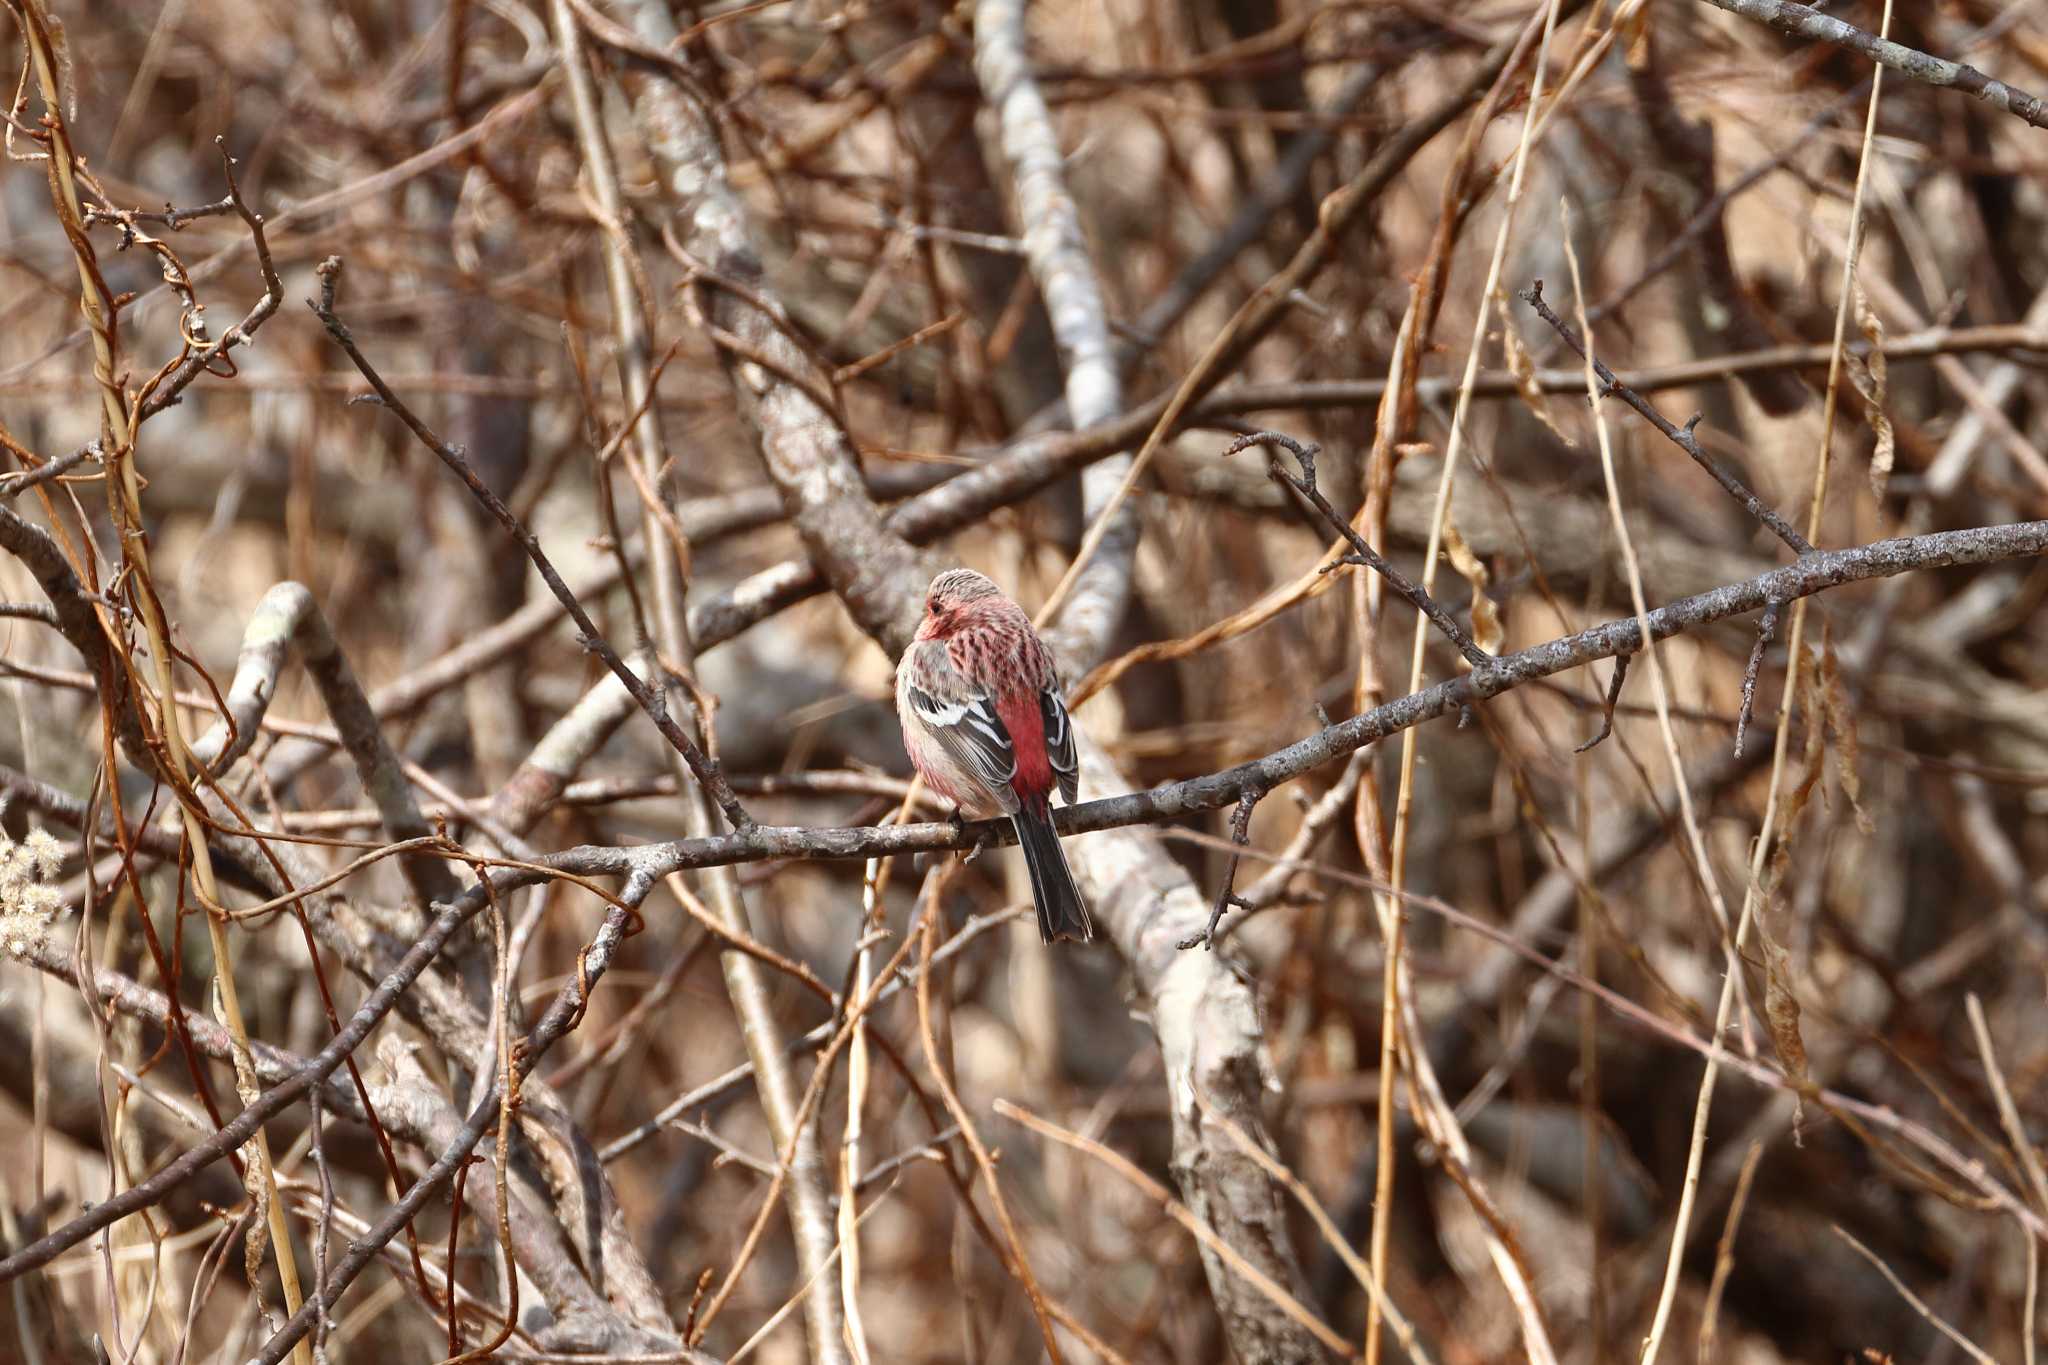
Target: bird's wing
(1059,743)
(974,737)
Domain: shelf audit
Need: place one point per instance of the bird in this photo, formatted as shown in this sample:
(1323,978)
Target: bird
(987,728)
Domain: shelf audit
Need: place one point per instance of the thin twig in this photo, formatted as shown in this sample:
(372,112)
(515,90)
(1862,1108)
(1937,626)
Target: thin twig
(166,387)
(1020,1261)
(563,1014)
(1539,30)
(1259,314)
(1363,555)
(1240,837)
(12,485)
(1753,892)
(1183,1215)
(1812,574)
(1934,1319)
(961,499)
(1724,1254)
(155,1188)
(1609,700)
(702,766)
(1766,627)
(2029,1159)
(1682,437)
(1332,1234)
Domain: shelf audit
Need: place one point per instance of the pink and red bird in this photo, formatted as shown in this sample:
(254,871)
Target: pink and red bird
(986,725)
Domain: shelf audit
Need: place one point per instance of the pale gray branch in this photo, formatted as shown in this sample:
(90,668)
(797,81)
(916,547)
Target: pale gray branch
(1803,21)
(288,615)
(1065,275)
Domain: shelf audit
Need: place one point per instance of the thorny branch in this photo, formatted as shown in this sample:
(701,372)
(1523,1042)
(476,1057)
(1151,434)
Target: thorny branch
(1362,553)
(1682,437)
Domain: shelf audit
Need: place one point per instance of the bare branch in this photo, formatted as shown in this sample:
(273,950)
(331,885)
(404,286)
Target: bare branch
(1813,573)
(1682,437)
(701,764)
(286,616)
(1362,553)
(1065,274)
(1802,21)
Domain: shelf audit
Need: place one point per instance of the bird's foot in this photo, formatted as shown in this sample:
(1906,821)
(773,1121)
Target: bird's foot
(973,850)
(959,823)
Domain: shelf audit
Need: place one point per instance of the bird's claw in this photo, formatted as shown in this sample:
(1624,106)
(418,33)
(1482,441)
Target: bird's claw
(959,823)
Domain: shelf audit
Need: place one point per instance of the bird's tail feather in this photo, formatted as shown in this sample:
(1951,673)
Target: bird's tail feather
(1061,911)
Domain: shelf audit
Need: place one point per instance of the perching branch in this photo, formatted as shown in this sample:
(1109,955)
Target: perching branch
(1813,573)
(812,285)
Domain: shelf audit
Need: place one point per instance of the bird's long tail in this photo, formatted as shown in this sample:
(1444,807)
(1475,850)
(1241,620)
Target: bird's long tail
(1061,911)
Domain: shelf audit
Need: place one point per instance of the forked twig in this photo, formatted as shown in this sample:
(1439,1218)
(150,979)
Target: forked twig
(1240,837)
(563,1015)
(1362,553)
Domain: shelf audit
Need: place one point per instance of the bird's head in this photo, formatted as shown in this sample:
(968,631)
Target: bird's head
(952,601)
